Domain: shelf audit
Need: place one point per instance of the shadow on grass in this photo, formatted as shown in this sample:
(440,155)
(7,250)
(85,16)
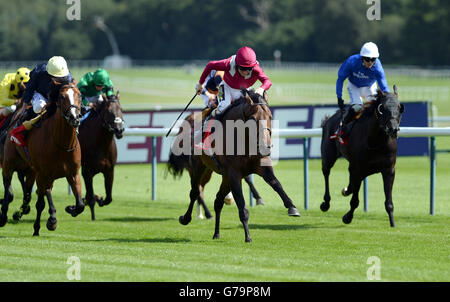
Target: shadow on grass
(284,227)
(138,219)
(144,240)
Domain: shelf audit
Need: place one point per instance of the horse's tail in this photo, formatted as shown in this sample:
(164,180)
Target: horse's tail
(177,164)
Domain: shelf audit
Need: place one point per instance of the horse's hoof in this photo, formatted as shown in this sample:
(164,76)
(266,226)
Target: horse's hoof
(260,202)
(51,224)
(324,206)
(292,211)
(74,210)
(25,210)
(248,239)
(184,221)
(347,218)
(16,216)
(345,192)
(3,220)
(35,234)
(216,236)
(208,216)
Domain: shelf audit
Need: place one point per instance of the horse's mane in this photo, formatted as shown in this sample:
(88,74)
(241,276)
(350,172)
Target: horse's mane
(370,106)
(241,101)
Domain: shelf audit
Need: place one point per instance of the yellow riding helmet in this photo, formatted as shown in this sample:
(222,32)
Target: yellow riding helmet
(57,67)
(22,75)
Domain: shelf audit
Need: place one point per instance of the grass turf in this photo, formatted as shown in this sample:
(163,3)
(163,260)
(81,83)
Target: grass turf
(136,239)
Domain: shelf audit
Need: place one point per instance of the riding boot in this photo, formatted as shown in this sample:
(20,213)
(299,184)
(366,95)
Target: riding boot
(19,133)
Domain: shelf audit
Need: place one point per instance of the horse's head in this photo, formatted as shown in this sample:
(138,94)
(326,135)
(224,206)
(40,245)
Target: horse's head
(111,115)
(69,102)
(256,108)
(389,112)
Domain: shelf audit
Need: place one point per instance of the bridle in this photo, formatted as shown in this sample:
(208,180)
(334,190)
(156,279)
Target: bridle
(105,124)
(65,113)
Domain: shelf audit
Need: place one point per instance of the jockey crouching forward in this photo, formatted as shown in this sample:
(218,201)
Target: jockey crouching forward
(44,79)
(12,88)
(240,70)
(364,71)
(92,85)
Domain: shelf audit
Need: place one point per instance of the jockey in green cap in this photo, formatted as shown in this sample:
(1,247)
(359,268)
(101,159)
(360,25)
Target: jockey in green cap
(93,84)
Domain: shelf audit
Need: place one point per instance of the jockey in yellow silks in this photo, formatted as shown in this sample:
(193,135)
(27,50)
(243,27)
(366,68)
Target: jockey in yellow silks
(11,89)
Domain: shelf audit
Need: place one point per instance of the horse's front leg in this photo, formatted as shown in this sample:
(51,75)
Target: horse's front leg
(109,180)
(51,222)
(75,184)
(388,182)
(40,205)
(266,172)
(218,204)
(355,185)
(89,197)
(235,182)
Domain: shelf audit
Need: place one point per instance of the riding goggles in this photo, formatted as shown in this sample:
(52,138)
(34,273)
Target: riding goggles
(367,59)
(245,68)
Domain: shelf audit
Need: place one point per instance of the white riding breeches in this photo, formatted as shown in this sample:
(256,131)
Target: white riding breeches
(38,102)
(357,93)
(226,96)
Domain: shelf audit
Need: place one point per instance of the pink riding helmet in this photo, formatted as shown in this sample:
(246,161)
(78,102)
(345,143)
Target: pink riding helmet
(246,57)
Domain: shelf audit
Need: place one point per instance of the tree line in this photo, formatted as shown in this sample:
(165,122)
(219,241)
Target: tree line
(409,31)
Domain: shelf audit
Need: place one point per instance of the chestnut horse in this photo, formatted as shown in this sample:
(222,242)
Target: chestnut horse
(177,163)
(235,166)
(98,147)
(53,152)
(371,148)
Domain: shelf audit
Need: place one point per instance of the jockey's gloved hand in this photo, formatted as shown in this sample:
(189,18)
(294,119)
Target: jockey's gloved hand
(198,88)
(260,91)
(341,103)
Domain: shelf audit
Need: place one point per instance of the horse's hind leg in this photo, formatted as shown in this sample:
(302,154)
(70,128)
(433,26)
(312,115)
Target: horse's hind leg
(218,204)
(8,197)
(259,200)
(194,193)
(201,198)
(27,180)
(355,185)
(388,182)
(266,172)
(51,222)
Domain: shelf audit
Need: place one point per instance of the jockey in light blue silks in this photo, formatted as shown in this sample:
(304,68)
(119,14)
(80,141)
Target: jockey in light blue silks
(364,71)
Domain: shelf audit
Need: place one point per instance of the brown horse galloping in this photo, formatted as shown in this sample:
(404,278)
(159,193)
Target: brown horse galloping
(98,147)
(54,152)
(233,167)
(177,163)
(371,148)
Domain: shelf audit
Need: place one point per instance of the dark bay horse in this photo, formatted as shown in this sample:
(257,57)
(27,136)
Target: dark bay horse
(235,166)
(371,148)
(54,152)
(98,147)
(177,163)
(24,171)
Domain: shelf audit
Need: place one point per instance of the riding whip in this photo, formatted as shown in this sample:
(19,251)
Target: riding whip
(181,114)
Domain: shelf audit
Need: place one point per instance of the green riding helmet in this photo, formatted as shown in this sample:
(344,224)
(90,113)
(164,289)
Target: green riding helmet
(101,77)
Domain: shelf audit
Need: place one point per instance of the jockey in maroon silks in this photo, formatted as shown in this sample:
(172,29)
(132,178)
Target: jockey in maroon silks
(240,70)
